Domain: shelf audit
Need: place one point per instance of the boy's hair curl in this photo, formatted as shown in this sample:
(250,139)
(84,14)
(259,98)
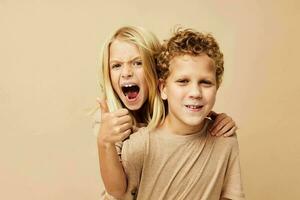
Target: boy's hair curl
(188,41)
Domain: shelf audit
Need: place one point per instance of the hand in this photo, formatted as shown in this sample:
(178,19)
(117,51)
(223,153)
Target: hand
(115,126)
(223,125)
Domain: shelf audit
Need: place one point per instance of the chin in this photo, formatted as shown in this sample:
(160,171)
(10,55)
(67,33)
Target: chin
(133,105)
(195,122)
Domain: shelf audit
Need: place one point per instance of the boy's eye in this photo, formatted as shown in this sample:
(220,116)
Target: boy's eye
(206,83)
(182,81)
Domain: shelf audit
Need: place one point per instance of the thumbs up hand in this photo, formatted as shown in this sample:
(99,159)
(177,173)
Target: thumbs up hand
(115,126)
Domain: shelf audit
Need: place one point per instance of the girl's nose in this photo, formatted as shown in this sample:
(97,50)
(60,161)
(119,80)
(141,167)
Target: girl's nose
(127,71)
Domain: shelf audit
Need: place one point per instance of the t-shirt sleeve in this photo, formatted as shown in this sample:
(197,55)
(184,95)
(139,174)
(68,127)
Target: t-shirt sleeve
(233,188)
(133,153)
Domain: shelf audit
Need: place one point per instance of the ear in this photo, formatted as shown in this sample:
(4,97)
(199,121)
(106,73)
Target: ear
(162,89)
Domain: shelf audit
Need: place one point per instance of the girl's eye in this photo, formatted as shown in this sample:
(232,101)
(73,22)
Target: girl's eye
(115,66)
(138,63)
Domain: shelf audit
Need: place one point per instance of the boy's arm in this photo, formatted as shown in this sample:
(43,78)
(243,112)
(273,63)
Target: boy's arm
(232,186)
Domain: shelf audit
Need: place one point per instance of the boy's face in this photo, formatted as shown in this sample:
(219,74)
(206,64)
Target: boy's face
(190,90)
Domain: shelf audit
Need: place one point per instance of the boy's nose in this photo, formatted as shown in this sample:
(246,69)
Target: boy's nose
(195,92)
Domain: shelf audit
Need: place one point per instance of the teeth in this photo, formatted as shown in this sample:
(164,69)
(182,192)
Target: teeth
(129,85)
(130,88)
(193,106)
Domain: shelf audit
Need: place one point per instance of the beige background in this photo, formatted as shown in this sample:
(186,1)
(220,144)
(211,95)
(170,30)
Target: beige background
(49,51)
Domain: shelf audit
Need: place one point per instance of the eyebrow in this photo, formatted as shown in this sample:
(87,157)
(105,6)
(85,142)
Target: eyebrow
(118,61)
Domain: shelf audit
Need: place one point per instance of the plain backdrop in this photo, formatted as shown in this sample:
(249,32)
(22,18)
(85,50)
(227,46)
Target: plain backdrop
(49,63)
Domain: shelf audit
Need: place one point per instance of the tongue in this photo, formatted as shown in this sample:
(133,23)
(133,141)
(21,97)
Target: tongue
(132,95)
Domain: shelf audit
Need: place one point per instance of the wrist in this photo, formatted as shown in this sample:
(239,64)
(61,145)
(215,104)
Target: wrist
(102,143)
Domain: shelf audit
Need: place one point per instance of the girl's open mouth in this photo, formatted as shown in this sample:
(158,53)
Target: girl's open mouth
(131,91)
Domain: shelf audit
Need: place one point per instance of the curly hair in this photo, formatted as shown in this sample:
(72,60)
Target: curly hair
(188,41)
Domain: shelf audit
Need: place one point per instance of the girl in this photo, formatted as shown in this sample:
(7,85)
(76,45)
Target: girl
(130,88)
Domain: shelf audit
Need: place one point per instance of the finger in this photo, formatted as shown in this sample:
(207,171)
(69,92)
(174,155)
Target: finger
(121,137)
(227,127)
(222,124)
(218,119)
(103,105)
(125,134)
(212,115)
(117,130)
(121,112)
(135,129)
(123,120)
(124,127)
(231,132)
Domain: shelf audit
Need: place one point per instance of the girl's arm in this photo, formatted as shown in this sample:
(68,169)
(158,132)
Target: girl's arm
(115,127)
(113,175)
(222,125)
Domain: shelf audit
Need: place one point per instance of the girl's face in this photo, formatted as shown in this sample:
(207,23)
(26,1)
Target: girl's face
(127,74)
(190,91)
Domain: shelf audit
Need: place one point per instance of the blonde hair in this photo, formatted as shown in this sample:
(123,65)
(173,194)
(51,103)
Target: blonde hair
(148,46)
(191,42)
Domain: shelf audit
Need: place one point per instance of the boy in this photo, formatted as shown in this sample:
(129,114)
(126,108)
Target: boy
(165,163)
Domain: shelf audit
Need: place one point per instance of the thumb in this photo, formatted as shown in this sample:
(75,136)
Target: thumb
(103,105)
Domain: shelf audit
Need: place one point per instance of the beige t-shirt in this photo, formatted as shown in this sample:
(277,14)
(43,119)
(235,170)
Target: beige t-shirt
(165,166)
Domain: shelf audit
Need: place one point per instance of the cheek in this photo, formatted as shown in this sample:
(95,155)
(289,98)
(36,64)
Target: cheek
(141,74)
(147,89)
(176,92)
(211,96)
(142,77)
(114,80)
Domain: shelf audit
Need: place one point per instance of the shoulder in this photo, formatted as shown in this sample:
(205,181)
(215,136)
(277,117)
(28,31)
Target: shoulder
(230,140)
(227,143)
(134,149)
(137,138)
(136,142)
(140,133)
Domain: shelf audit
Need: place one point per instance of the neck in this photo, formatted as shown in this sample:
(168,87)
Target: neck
(139,115)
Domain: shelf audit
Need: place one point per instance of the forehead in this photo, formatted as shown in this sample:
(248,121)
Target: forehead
(201,63)
(123,50)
